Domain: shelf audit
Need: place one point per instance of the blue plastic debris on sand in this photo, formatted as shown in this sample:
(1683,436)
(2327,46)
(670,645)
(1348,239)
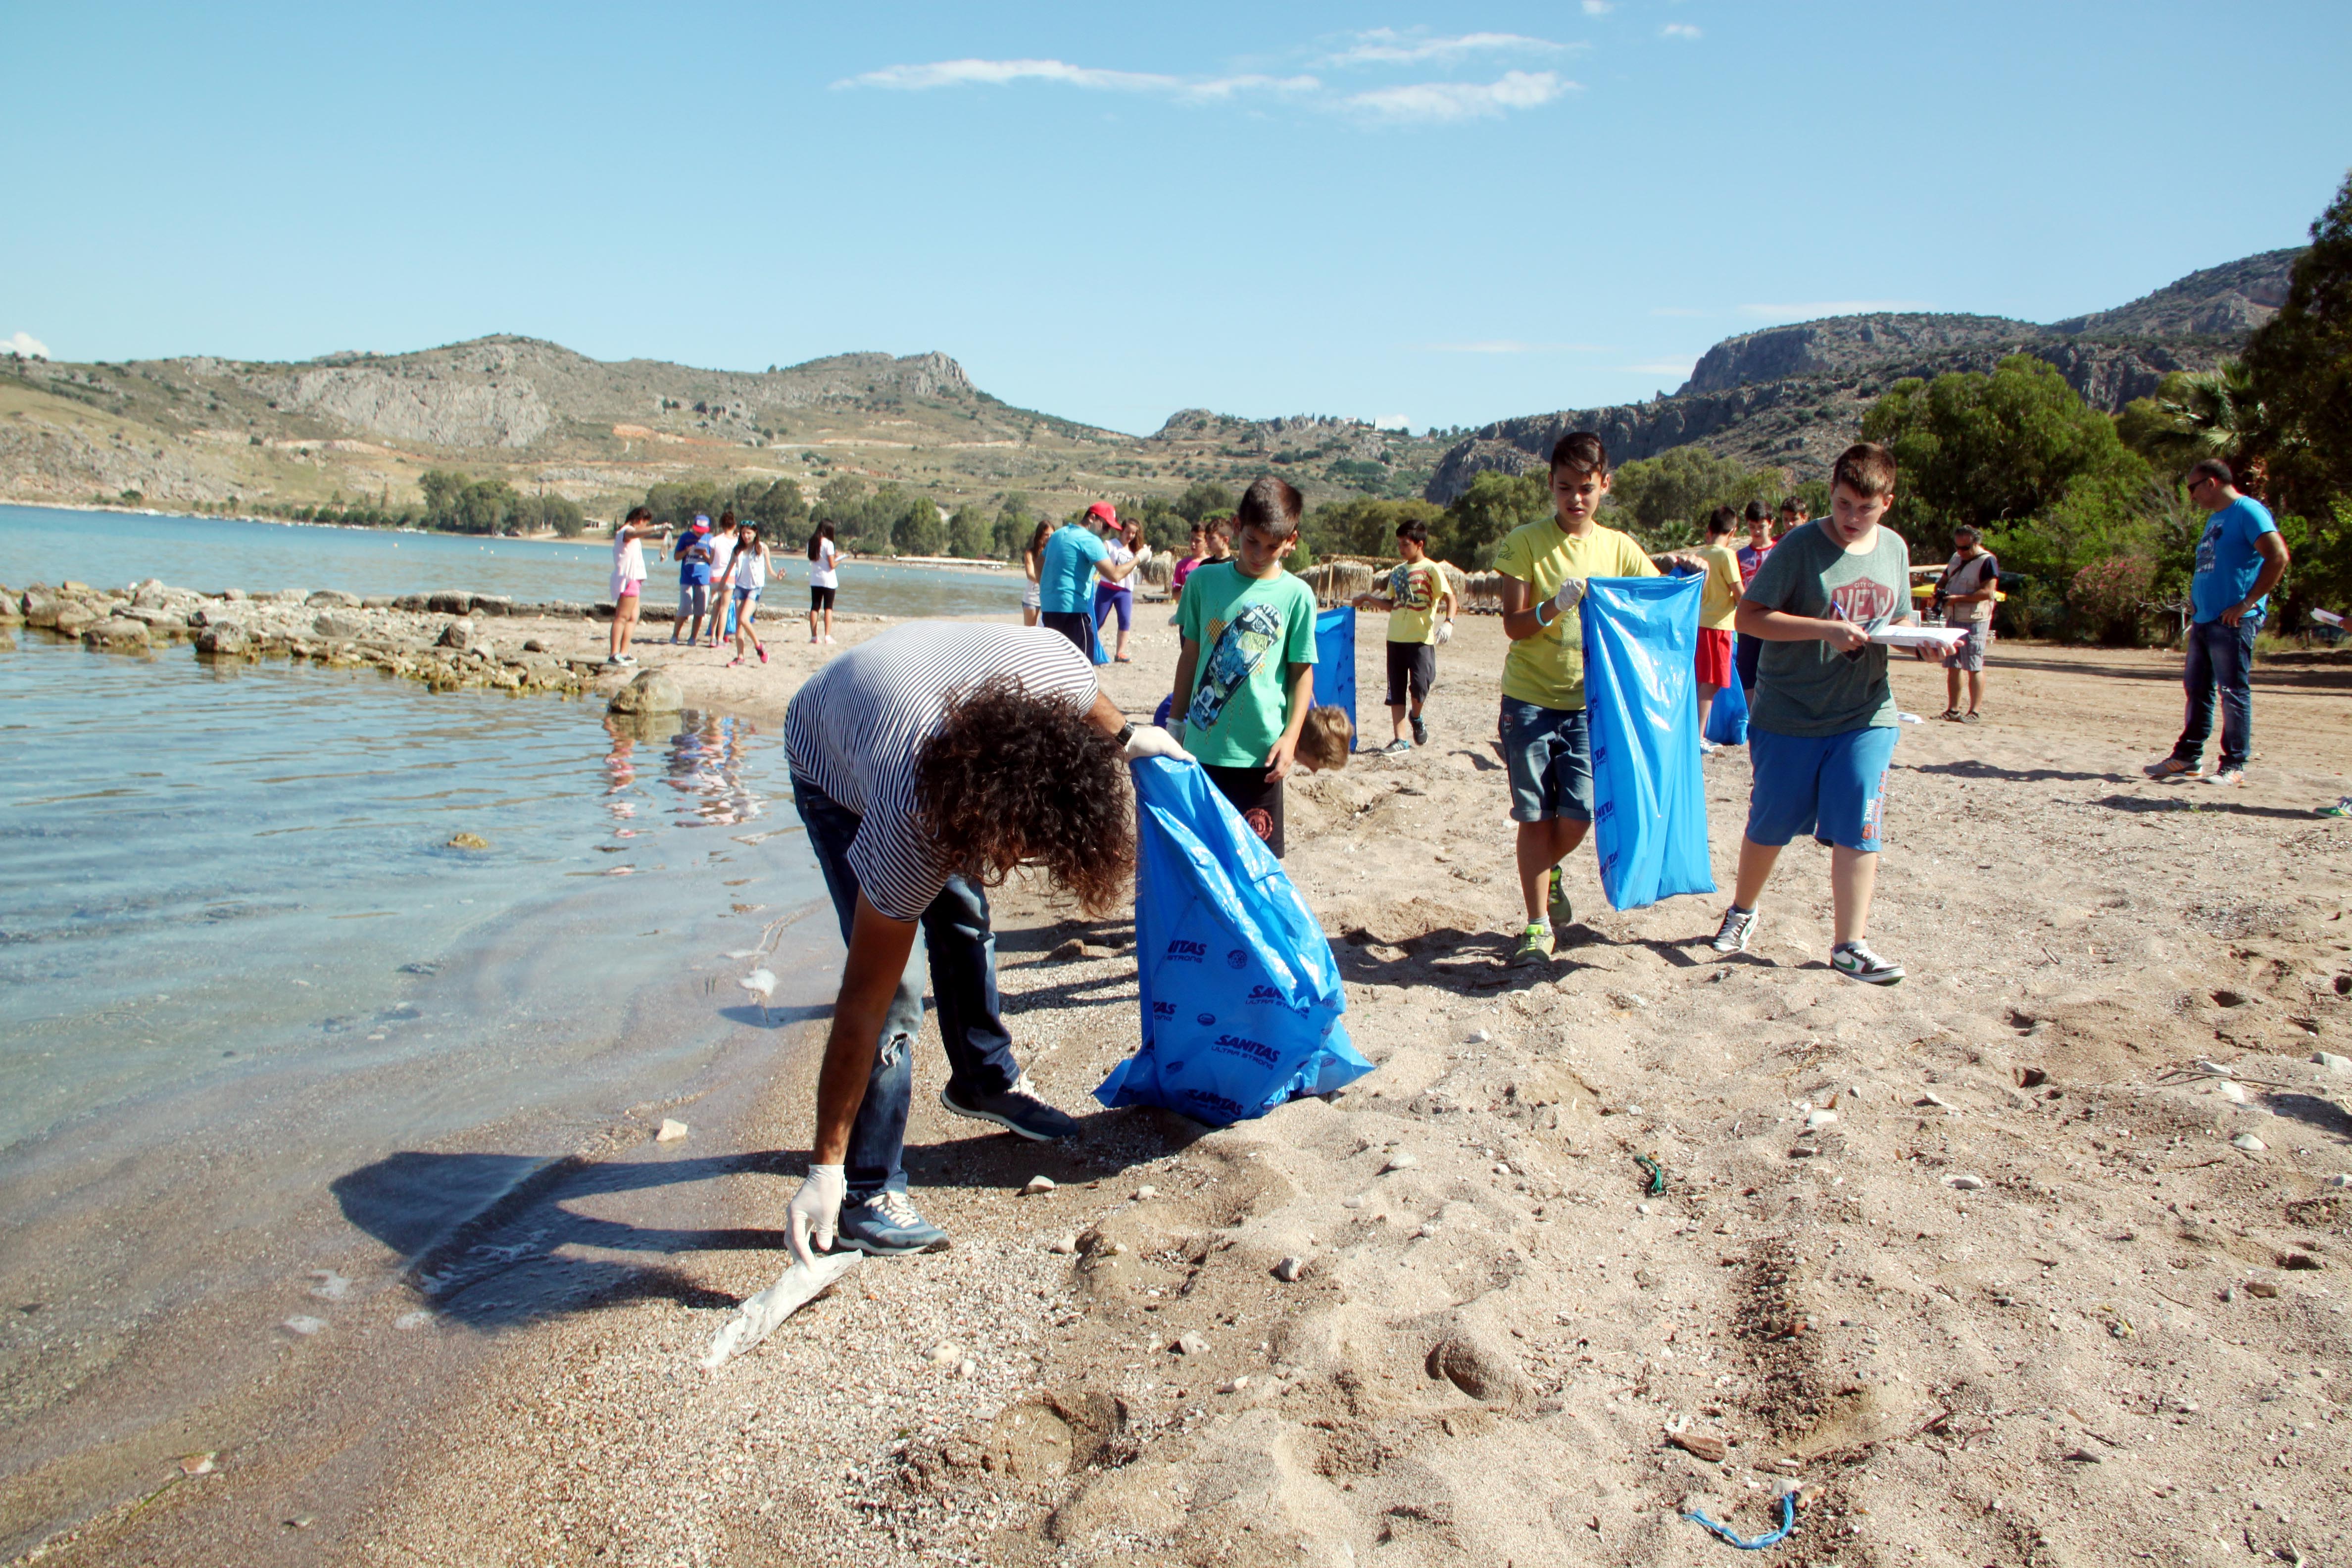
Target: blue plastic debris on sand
(1641,690)
(1726,722)
(1335,662)
(1240,995)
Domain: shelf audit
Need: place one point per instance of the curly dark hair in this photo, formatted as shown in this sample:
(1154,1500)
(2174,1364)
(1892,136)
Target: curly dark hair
(1009,779)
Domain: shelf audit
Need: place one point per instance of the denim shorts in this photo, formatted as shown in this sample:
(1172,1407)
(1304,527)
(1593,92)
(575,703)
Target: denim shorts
(1548,751)
(1830,786)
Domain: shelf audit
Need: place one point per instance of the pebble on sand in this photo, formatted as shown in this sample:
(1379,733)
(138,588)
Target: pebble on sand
(1142,1193)
(304,1325)
(1191,1344)
(1289,1269)
(1966,1184)
(670,1132)
(2249,1142)
(1402,1160)
(198,1464)
(1065,1246)
(1698,1446)
(1038,1187)
(2332,1062)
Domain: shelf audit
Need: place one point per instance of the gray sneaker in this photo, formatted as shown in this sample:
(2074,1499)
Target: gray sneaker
(1017,1110)
(1397,748)
(887,1225)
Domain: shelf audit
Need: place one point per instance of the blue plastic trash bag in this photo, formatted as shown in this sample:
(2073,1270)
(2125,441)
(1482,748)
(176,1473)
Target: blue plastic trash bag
(1240,995)
(1335,662)
(1094,634)
(1726,722)
(1159,714)
(1641,690)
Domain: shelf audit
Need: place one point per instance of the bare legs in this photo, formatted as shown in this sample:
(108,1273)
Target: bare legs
(1541,845)
(1853,876)
(1705,705)
(625,623)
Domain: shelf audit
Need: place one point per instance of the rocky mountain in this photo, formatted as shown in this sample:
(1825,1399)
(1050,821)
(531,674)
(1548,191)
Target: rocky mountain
(208,431)
(1794,395)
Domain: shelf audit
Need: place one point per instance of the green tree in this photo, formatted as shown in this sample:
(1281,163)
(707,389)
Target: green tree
(918,529)
(970,532)
(776,507)
(2300,362)
(1989,450)
(1363,526)
(2194,416)
(1664,501)
(1495,504)
(1015,524)
(1204,499)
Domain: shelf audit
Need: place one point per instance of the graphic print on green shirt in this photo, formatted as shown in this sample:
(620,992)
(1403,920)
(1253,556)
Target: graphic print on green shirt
(1809,687)
(1247,633)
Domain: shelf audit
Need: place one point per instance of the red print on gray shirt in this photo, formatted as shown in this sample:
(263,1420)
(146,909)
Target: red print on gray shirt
(1864,601)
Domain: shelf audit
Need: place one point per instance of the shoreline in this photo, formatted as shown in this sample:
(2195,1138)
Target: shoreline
(1821,1296)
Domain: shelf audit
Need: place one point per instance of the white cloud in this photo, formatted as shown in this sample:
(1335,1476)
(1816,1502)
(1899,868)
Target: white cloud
(1598,7)
(1386,46)
(1679,30)
(25,344)
(1392,422)
(999,73)
(1816,309)
(1448,101)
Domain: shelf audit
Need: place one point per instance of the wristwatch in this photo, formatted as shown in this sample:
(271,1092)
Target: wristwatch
(1126,733)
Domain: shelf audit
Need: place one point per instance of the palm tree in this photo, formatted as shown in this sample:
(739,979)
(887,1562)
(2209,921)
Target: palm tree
(2195,416)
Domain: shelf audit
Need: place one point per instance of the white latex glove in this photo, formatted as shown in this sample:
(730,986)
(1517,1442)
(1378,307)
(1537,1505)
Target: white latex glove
(1151,740)
(814,1213)
(1444,633)
(1571,594)
(1143,552)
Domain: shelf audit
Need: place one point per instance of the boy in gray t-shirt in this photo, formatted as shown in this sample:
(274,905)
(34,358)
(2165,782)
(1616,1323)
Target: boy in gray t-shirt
(1822,731)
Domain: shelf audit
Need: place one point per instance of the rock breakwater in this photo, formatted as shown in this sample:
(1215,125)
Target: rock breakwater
(446,640)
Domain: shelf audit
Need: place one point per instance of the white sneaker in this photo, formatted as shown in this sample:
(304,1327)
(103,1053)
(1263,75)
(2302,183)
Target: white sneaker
(1732,936)
(1856,961)
(2232,777)
(1708,748)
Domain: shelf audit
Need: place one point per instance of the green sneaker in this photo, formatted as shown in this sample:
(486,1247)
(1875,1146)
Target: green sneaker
(1535,946)
(1562,912)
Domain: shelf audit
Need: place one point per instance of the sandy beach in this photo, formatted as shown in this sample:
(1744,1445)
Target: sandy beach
(1972,1264)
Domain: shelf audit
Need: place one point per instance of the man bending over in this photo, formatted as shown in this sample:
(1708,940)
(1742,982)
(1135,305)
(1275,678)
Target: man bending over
(927,763)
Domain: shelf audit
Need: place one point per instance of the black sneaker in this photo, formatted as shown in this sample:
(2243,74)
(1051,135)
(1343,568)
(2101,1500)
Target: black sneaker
(1017,1110)
(1738,926)
(1856,961)
(1420,731)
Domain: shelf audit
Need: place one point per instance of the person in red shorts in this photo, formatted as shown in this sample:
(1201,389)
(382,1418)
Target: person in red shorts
(1716,607)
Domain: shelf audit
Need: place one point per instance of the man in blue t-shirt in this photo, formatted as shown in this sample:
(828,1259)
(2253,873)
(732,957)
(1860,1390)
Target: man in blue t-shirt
(1065,578)
(2240,559)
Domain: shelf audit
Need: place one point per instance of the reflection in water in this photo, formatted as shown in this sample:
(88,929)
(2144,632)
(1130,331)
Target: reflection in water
(706,760)
(704,763)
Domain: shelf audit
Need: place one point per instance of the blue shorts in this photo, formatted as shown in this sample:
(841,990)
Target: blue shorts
(747,606)
(1548,751)
(1830,787)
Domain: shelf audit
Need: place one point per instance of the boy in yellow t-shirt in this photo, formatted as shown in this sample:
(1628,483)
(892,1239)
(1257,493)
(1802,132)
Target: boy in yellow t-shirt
(1418,595)
(1715,610)
(1545,744)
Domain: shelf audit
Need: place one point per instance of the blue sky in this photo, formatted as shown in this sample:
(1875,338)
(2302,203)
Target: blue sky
(1450,213)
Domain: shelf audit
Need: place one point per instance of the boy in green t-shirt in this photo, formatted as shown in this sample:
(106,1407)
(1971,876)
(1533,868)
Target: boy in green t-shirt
(1242,718)
(1545,744)
(1418,592)
(1822,728)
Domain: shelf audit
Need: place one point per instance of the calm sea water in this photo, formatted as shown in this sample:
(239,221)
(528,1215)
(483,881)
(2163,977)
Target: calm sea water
(210,554)
(239,961)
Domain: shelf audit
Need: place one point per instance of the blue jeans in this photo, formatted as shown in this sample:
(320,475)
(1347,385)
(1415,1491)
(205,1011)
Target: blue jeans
(2222,655)
(963,953)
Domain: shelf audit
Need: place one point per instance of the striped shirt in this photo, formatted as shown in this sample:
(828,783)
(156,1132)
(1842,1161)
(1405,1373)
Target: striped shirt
(856,730)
